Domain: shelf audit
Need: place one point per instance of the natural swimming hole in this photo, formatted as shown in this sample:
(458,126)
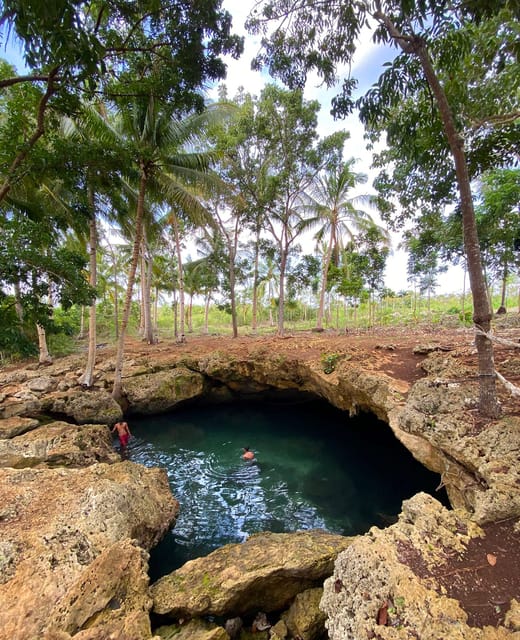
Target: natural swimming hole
(314,468)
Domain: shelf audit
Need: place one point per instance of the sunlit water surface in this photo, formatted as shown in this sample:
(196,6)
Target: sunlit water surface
(314,468)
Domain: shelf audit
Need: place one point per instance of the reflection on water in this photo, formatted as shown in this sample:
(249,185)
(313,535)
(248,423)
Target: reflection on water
(314,468)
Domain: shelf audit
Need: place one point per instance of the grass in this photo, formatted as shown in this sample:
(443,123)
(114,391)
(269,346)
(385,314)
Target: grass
(400,311)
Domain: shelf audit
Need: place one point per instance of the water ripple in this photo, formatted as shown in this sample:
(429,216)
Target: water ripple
(298,481)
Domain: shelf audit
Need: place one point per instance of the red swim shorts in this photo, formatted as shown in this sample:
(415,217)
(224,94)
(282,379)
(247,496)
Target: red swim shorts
(123,439)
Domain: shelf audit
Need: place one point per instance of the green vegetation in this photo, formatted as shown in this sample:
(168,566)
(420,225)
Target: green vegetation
(398,312)
(122,188)
(329,361)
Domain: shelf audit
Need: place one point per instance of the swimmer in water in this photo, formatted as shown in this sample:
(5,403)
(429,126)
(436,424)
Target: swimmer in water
(248,454)
(123,432)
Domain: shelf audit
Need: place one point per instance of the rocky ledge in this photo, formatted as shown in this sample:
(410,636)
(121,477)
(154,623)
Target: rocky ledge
(76,523)
(73,549)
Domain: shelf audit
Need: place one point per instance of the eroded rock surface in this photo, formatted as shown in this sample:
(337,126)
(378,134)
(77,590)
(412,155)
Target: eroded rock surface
(58,444)
(385,586)
(263,573)
(73,548)
(15,426)
(158,392)
(479,467)
(195,629)
(305,619)
(81,535)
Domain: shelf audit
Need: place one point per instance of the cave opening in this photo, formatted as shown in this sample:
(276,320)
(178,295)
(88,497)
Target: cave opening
(314,467)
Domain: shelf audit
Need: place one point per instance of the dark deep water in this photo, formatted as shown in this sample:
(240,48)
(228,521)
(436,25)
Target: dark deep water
(315,468)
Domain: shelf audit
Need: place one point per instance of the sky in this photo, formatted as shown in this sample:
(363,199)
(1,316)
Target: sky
(367,66)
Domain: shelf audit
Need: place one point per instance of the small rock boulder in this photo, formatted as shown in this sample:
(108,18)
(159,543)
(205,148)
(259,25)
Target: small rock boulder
(15,426)
(263,573)
(158,392)
(59,444)
(108,600)
(193,630)
(84,406)
(305,619)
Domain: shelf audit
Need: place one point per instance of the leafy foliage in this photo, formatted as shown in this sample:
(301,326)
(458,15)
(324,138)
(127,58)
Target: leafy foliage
(125,46)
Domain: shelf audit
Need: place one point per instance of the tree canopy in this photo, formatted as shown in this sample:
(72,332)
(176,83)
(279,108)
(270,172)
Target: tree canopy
(422,103)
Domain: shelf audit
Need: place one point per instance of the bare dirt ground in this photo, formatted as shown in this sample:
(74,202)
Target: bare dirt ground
(387,350)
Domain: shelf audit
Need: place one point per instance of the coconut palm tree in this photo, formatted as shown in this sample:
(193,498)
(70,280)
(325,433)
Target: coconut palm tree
(334,210)
(166,158)
(99,167)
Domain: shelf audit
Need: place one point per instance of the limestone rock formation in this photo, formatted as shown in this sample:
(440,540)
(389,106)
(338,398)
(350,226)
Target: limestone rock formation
(84,406)
(479,469)
(263,573)
(195,629)
(304,618)
(15,426)
(68,553)
(384,584)
(109,599)
(159,392)
(73,541)
(58,444)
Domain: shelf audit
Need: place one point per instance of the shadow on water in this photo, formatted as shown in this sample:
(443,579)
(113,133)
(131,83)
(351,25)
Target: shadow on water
(315,468)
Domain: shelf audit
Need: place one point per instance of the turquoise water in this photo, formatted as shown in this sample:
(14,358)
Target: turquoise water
(314,468)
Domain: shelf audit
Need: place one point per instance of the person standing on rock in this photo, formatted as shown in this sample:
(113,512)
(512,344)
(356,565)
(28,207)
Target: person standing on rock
(123,433)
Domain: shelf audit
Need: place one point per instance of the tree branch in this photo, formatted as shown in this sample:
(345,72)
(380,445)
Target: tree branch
(9,82)
(513,390)
(496,120)
(490,336)
(38,133)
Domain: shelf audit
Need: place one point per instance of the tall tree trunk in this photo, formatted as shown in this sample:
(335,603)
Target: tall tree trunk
(44,355)
(81,333)
(117,391)
(116,288)
(17,304)
(148,334)
(189,314)
(87,378)
(142,279)
(324,275)
(206,314)
(254,313)
(232,293)
(503,295)
(180,277)
(156,313)
(116,301)
(488,401)
(175,316)
(281,296)
(414,45)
